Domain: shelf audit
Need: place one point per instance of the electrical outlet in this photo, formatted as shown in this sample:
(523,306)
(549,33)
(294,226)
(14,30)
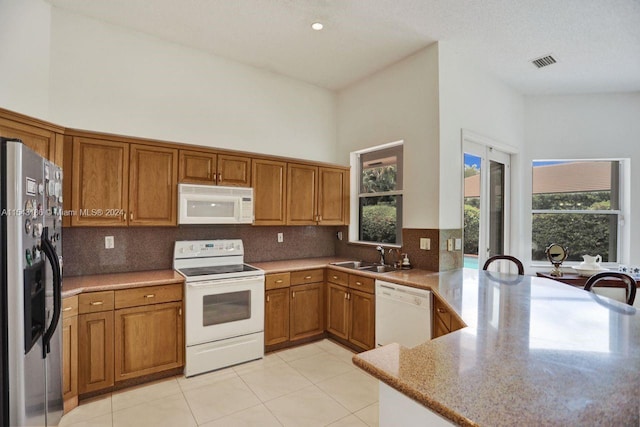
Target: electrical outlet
(425,243)
(109,242)
(280,237)
(449,245)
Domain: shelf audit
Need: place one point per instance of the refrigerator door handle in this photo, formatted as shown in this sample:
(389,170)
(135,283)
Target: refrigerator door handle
(50,252)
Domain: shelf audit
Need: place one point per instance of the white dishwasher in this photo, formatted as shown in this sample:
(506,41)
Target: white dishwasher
(403,314)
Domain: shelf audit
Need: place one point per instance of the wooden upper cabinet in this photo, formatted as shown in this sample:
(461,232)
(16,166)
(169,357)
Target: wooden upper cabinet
(234,170)
(153,177)
(301,194)
(333,196)
(269,182)
(317,195)
(99,183)
(40,140)
(197,167)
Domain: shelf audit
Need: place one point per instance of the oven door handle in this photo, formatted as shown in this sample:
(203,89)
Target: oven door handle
(236,281)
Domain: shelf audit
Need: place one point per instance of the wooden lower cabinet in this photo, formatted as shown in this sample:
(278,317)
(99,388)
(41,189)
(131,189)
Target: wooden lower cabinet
(148,339)
(362,321)
(276,316)
(126,334)
(351,309)
(444,321)
(95,351)
(306,310)
(70,353)
(338,310)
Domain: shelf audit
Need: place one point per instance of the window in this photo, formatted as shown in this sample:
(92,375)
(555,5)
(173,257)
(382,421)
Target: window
(577,204)
(380,194)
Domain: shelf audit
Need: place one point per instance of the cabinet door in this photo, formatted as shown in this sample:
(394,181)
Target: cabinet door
(301,194)
(70,362)
(362,324)
(148,339)
(269,183)
(234,170)
(338,310)
(276,316)
(197,167)
(307,310)
(333,196)
(100,182)
(95,351)
(153,185)
(41,141)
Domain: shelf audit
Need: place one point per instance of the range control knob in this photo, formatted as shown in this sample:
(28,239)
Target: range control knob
(28,226)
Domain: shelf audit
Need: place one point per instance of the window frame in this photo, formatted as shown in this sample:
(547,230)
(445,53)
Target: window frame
(356,177)
(623,213)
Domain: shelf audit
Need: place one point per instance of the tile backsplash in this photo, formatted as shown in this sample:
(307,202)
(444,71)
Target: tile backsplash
(151,248)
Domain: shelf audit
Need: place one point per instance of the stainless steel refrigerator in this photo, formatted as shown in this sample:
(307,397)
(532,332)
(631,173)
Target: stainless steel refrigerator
(30,291)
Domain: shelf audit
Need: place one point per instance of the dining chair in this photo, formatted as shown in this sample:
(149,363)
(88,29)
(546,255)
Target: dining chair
(629,281)
(515,260)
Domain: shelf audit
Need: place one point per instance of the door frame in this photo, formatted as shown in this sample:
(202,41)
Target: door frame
(488,149)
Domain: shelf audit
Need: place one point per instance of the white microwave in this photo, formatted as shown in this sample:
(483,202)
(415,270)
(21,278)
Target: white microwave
(212,204)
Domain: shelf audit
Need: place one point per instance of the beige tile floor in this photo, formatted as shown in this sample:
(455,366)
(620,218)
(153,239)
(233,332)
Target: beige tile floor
(311,385)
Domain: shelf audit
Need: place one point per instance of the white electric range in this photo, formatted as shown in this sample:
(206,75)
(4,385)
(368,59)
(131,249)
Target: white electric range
(224,304)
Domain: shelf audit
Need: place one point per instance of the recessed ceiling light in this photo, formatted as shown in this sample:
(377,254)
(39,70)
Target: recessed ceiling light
(317,26)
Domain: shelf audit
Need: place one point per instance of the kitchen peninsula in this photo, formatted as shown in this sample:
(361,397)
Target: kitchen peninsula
(535,352)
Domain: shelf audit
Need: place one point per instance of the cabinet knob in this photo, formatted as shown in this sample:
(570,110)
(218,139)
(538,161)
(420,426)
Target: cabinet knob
(307,277)
(67,308)
(279,281)
(267,298)
(345,295)
(359,283)
(441,310)
(131,216)
(335,277)
(150,296)
(293,294)
(96,303)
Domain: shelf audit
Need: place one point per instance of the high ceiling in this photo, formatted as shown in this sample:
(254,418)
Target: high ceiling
(596,42)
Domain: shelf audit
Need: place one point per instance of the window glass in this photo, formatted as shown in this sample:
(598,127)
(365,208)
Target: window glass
(576,204)
(380,197)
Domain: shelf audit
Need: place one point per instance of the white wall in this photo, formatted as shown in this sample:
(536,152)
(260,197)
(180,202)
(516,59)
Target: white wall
(584,126)
(24,56)
(473,100)
(107,78)
(399,102)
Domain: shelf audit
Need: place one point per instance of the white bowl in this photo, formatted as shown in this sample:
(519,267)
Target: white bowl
(589,271)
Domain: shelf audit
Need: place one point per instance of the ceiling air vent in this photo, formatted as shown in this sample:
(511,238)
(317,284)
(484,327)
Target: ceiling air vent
(544,61)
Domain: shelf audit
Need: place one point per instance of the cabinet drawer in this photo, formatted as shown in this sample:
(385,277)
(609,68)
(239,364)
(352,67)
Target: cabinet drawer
(148,295)
(307,276)
(92,302)
(338,277)
(276,281)
(365,284)
(70,307)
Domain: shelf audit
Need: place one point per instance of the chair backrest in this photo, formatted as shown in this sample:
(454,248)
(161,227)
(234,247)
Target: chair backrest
(629,281)
(514,260)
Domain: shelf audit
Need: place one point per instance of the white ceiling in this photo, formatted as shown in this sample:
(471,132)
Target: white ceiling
(596,42)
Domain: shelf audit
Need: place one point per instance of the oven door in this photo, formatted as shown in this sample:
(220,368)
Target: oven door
(219,309)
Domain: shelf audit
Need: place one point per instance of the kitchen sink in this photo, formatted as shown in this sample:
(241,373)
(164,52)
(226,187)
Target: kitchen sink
(365,266)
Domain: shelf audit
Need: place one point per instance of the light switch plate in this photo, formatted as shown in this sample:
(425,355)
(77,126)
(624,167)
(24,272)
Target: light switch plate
(449,245)
(458,244)
(425,243)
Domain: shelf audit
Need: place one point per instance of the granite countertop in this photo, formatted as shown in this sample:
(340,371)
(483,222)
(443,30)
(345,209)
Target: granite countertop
(535,352)
(296,264)
(105,282)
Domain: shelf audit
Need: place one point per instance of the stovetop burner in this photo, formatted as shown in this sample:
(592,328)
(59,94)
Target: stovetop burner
(216,269)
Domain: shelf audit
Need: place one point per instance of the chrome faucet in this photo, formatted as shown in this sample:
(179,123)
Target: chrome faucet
(381,250)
